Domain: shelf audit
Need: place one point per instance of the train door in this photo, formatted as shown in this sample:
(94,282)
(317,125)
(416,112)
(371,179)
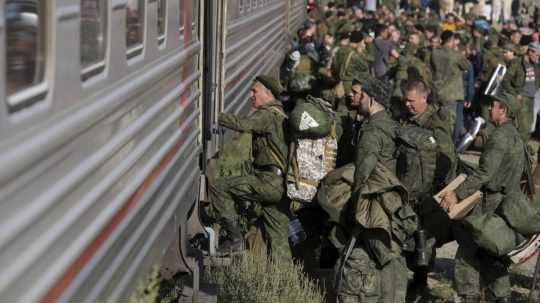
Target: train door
(210,61)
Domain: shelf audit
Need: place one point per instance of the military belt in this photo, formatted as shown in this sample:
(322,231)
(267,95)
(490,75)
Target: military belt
(270,168)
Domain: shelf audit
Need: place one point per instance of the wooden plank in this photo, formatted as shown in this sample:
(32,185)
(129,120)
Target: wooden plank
(462,208)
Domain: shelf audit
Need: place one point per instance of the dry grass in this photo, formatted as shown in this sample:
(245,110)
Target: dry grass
(254,279)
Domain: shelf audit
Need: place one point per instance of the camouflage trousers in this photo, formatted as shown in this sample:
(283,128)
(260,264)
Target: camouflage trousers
(473,266)
(262,191)
(525,118)
(360,279)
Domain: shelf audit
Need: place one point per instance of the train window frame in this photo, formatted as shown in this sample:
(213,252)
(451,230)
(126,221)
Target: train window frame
(98,67)
(138,49)
(36,92)
(162,37)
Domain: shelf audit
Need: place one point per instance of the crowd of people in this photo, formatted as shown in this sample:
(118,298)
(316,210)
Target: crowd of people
(363,128)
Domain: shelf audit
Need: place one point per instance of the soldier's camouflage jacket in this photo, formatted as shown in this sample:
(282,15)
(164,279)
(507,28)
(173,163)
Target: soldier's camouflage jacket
(501,164)
(267,125)
(447,66)
(436,118)
(375,143)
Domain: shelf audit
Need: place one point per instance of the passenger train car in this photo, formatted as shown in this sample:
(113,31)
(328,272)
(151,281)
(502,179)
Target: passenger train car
(109,117)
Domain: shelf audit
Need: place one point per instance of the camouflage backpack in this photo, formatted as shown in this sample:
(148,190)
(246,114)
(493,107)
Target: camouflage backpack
(416,159)
(313,150)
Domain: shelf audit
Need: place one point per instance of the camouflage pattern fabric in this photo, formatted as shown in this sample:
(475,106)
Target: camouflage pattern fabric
(500,169)
(235,196)
(360,279)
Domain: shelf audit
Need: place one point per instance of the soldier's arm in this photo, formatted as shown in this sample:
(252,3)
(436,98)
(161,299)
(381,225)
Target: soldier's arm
(512,80)
(359,68)
(488,166)
(446,158)
(256,123)
(463,62)
(367,155)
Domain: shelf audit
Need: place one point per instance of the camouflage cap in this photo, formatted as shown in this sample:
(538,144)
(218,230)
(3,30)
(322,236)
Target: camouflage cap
(346,27)
(380,90)
(509,47)
(270,83)
(508,100)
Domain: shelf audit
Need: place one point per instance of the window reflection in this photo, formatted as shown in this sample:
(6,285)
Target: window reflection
(135,25)
(161,20)
(25,43)
(93,33)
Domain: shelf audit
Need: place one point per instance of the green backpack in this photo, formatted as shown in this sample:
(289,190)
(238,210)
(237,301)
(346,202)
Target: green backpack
(312,118)
(522,214)
(492,233)
(416,159)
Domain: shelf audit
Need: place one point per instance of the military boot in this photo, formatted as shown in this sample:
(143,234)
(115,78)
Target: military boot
(235,240)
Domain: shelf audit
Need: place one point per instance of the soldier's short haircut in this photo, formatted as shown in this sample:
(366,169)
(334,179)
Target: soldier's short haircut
(331,5)
(417,85)
(446,36)
(379,29)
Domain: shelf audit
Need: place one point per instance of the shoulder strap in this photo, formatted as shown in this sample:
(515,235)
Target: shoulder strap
(347,63)
(279,111)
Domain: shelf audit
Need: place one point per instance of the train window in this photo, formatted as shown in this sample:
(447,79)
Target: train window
(254,4)
(25,51)
(194,18)
(181,6)
(93,37)
(241,6)
(162,9)
(135,27)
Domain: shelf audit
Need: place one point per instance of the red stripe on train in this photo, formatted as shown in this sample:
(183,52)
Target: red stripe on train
(69,275)
(56,291)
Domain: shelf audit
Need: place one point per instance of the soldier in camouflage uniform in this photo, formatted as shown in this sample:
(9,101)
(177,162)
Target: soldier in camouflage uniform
(372,269)
(448,65)
(352,63)
(491,57)
(410,66)
(265,186)
(521,80)
(434,118)
(499,173)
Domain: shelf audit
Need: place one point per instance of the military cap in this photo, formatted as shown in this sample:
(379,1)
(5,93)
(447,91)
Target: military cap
(343,35)
(534,46)
(271,84)
(508,100)
(509,47)
(346,27)
(379,90)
